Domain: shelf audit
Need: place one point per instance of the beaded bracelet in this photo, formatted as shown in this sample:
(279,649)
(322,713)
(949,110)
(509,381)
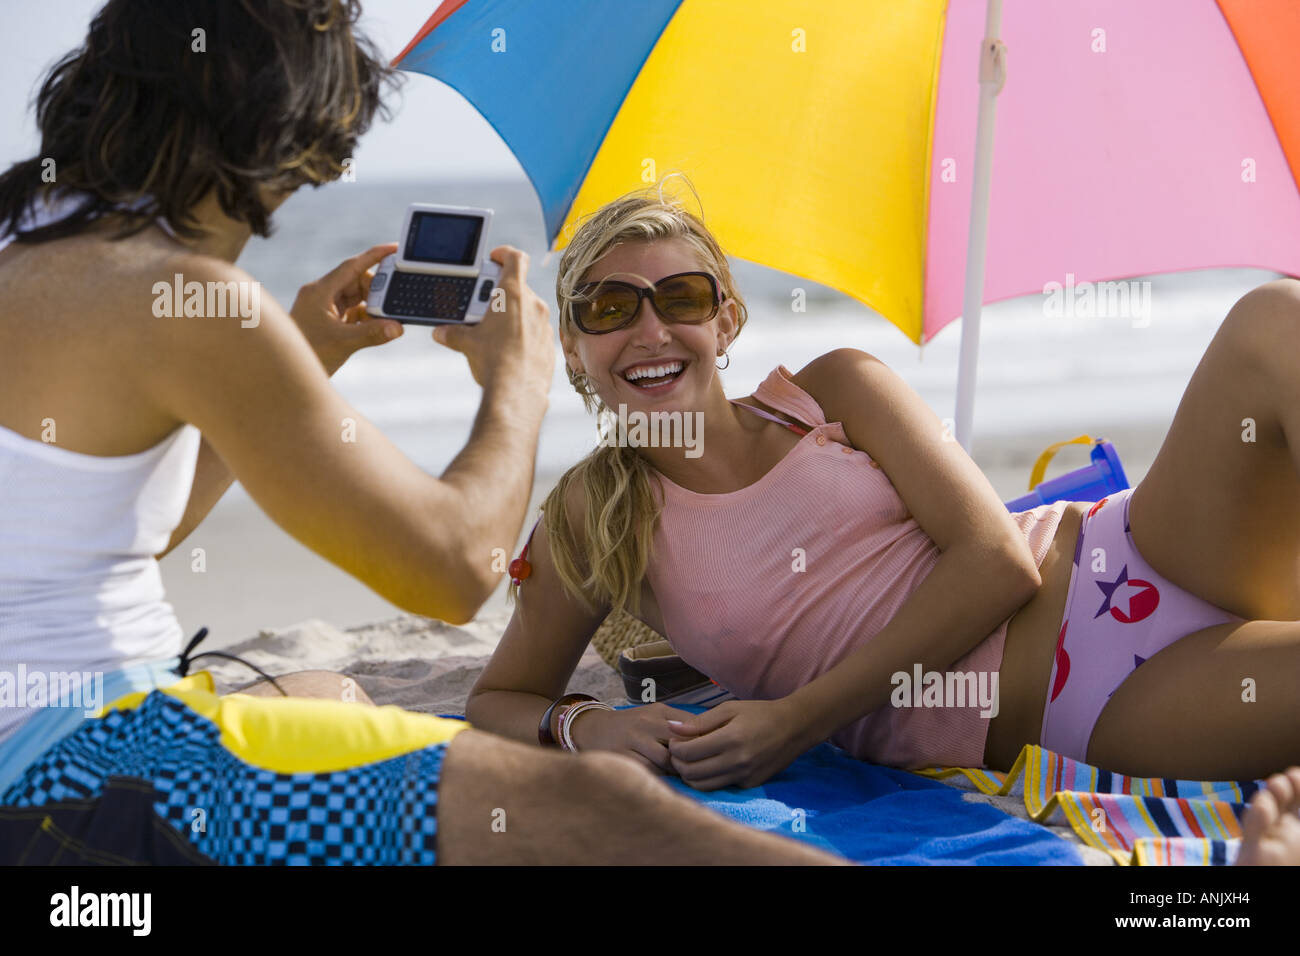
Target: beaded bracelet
(569,715)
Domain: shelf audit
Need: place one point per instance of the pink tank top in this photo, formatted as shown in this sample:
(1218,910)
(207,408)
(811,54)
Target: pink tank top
(723,570)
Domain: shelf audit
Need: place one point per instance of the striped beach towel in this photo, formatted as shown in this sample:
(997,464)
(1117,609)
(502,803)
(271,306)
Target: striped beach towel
(1138,821)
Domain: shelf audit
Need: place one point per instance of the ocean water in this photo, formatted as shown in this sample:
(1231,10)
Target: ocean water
(1056,376)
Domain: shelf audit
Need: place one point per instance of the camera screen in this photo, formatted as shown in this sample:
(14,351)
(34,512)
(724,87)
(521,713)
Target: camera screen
(439,237)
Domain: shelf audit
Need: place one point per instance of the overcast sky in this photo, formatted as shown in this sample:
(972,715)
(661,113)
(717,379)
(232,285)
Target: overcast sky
(38,33)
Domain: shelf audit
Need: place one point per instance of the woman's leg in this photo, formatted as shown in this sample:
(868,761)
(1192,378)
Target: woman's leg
(503,802)
(1219,512)
(1220,704)
(1219,515)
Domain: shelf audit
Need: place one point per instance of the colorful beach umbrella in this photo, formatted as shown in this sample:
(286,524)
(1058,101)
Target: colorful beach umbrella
(854,142)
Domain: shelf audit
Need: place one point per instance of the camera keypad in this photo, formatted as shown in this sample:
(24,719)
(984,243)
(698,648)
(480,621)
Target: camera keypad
(429,297)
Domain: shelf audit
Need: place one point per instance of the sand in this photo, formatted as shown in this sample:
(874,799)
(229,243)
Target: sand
(412,662)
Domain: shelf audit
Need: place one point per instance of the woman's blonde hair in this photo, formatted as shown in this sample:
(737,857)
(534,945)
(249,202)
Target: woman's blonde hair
(620,509)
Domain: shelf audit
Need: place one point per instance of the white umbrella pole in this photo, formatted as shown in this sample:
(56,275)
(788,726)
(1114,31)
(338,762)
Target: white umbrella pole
(992,75)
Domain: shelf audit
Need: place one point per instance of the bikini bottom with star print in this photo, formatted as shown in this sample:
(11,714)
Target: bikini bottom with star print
(1118,614)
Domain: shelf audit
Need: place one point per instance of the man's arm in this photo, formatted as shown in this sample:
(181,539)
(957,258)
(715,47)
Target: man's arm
(332,480)
(211,479)
(331,314)
(494,474)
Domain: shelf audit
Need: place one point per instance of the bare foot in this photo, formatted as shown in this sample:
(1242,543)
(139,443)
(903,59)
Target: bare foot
(1271,828)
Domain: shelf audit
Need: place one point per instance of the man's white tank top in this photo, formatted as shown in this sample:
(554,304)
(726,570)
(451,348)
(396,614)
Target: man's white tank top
(80,590)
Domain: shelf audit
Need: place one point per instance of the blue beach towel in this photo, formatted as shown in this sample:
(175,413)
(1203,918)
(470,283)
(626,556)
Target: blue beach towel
(878,815)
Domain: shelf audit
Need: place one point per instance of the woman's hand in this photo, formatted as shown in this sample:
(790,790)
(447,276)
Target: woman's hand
(331,311)
(739,743)
(638,732)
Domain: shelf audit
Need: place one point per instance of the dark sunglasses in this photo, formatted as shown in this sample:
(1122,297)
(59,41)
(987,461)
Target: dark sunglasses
(687,298)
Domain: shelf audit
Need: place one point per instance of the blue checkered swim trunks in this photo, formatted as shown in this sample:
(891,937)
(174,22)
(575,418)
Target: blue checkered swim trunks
(250,780)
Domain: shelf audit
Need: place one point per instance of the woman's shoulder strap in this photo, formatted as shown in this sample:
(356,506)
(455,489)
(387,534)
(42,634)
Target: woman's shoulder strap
(779,391)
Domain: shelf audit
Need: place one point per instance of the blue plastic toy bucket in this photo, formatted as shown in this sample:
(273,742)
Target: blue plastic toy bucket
(1102,476)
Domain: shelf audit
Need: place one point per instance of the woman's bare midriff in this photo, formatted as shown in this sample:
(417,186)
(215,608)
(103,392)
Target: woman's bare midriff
(1030,647)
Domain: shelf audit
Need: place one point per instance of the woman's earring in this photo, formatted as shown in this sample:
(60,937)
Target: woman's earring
(726,355)
(583,383)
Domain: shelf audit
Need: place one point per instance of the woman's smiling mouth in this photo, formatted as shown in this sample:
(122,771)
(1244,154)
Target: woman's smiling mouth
(648,377)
